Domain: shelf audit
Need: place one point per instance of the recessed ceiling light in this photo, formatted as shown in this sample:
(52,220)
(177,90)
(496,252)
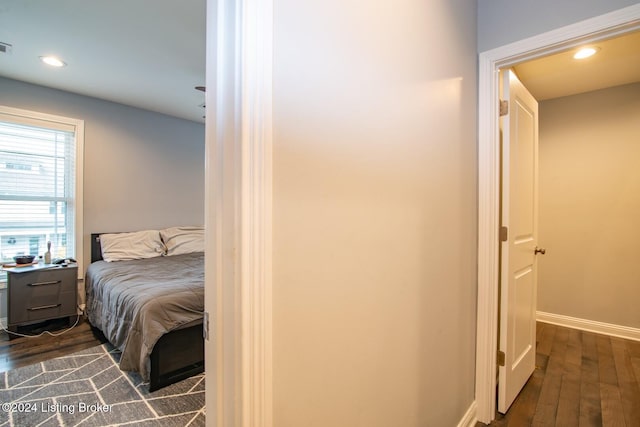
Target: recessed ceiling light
(53,61)
(585,52)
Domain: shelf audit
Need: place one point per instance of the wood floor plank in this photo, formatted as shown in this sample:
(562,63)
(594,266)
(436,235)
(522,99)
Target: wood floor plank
(539,329)
(547,406)
(610,397)
(545,342)
(606,365)
(627,382)
(574,348)
(542,361)
(634,348)
(568,413)
(523,409)
(634,354)
(612,415)
(635,363)
(590,407)
(589,346)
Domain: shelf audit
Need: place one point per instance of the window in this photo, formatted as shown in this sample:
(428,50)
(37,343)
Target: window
(40,184)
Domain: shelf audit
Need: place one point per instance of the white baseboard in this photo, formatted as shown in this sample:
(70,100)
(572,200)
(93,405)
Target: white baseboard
(469,419)
(589,325)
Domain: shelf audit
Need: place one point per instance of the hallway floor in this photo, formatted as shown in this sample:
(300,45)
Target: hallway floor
(581,379)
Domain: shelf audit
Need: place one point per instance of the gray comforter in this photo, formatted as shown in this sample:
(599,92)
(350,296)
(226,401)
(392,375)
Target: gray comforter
(135,302)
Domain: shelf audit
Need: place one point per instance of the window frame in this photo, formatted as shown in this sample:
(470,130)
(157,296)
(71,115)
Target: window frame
(22,116)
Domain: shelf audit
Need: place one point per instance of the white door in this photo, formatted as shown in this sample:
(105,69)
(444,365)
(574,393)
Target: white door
(518,249)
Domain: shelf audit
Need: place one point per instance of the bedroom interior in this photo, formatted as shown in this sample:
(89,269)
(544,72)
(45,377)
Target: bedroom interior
(143,162)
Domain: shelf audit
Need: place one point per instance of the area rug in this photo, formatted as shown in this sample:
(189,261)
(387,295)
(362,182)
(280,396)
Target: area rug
(88,389)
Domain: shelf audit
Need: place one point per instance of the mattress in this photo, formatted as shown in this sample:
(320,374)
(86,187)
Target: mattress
(135,302)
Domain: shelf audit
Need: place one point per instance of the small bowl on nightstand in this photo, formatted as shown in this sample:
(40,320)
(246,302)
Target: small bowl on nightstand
(23,259)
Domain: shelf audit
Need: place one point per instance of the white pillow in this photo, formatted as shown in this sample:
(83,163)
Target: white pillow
(183,240)
(127,246)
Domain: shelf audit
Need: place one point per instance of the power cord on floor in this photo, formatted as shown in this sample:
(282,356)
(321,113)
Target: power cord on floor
(53,334)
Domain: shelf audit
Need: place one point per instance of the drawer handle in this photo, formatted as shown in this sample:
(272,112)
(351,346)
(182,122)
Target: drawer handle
(44,307)
(54,282)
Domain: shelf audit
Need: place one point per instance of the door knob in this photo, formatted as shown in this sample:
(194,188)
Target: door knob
(539,251)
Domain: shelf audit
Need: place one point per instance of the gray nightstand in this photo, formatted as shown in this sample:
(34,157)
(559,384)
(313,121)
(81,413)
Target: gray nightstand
(40,292)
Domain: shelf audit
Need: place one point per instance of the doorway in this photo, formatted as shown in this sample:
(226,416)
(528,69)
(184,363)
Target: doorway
(605,26)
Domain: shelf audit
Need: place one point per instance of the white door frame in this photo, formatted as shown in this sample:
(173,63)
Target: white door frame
(614,23)
(238,195)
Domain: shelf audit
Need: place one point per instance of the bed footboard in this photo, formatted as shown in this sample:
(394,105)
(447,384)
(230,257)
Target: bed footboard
(177,355)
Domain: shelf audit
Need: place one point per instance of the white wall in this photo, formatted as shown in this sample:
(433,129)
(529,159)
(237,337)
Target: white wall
(374,213)
(590,206)
(501,22)
(141,169)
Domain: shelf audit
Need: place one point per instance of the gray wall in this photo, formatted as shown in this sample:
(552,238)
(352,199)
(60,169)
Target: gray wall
(590,206)
(141,169)
(501,22)
(374,212)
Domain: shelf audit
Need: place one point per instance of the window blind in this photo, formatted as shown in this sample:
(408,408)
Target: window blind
(37,188)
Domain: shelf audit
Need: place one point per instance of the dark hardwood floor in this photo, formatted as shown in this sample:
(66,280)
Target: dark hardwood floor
(581,379)
(22,351)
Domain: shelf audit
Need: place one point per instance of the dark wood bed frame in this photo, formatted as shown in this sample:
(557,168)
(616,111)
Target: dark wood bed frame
(178,354)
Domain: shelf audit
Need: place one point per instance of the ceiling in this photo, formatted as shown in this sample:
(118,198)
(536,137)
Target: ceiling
(616,63)
(151,54)
(144,53)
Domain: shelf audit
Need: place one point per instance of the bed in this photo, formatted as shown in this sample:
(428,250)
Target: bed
(152,310)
